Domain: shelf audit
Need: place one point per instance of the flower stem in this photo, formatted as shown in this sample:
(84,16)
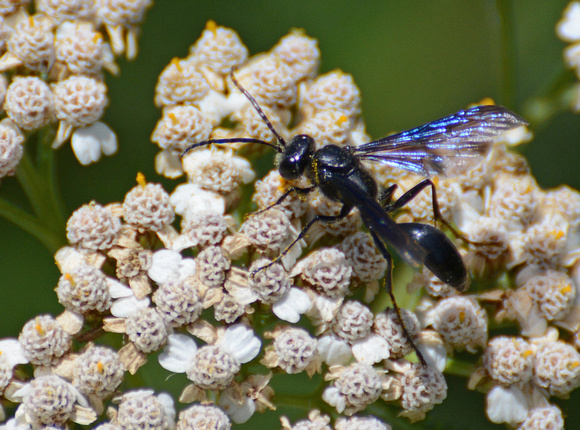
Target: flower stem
(459,368)
(39,184)
(51,240)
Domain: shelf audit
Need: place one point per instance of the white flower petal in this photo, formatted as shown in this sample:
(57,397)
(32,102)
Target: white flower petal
(118,289)
(85,147)
(168,164)
(139,393)
(435,354)
(506,405)
(332,396)
(178,353)
(89,142)
(19,394)
(327,307)
(107,137)
(238,413)
(11,351)
(169,405)
(241,342)
(236,101)
(164,266)
(16,424)
(292,304)
(181,242)
(532,323)
(67,258)
(127,306)
(186,196)
(80,398)
(243,295)
(289,259)
(214,106)
(569,27)
(371,349)
(186,268)
(248,174)
(333,350)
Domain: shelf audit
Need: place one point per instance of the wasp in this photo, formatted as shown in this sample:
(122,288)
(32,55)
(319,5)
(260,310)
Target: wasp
(448,146)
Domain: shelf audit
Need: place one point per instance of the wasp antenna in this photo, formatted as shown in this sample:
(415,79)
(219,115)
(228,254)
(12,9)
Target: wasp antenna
(254,103)
(231,140)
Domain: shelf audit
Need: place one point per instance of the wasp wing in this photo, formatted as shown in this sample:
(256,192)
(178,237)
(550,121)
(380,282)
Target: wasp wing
(449,146)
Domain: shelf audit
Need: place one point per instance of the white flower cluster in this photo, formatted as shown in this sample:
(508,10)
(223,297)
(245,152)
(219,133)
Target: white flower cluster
(568,29)
(56,58)
(125,269)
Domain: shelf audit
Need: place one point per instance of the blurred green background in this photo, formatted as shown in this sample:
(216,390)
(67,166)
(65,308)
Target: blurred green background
(414,61)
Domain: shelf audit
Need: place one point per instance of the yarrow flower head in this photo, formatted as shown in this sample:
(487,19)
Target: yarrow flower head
(50,401)
(31,44)
(354,389)
(367,423)
(421,389)
(147,329)
(44,341)
(11,149)
(388,326)
(81,50)
(327,270)
(93,227)
(293,350)
(11,355)
(203,417)
(147,206)
(98,371)
(84,289)
(567,30)
(461,321)
(219,49)
(508,360)
(315,420)
(142,408)
(29,102)
(213,366)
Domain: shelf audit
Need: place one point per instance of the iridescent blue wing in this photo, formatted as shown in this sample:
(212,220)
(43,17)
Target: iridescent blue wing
(449,146)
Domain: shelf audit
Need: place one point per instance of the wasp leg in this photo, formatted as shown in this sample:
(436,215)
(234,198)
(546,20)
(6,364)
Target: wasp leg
(300,191)
(412,193)
(326,219)
(386,195)
(389,287)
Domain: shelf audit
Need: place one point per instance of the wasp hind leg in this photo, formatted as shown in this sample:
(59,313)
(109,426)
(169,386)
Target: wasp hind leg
(389,287)
(437,216)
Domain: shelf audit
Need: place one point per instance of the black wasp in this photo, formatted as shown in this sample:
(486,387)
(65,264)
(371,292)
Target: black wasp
(448,146)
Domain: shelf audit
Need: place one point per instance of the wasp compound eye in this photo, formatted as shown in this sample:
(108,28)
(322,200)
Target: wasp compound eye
(295,158)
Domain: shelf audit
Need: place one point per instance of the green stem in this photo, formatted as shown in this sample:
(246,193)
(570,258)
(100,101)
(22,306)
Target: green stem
(30,183)
(39,185)
(505,11)
(46,168)
(459,368)
(40,193)
(31,225)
